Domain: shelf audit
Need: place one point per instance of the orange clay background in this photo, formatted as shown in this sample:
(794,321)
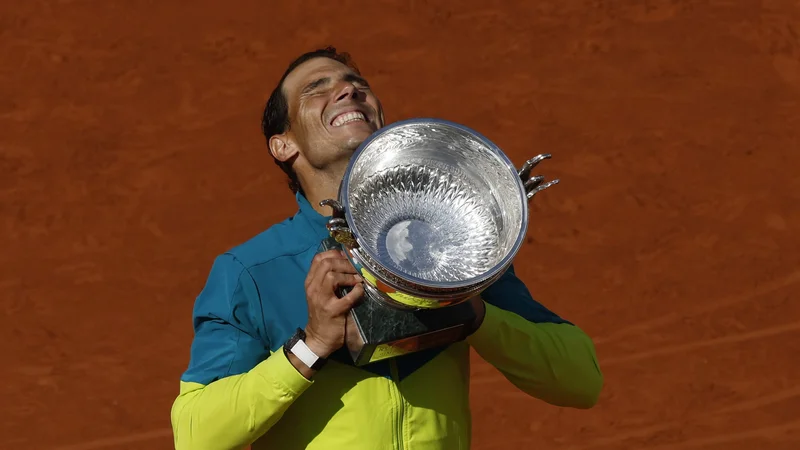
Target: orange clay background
(131,155)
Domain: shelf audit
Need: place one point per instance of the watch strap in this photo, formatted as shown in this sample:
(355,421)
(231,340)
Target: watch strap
(297,346)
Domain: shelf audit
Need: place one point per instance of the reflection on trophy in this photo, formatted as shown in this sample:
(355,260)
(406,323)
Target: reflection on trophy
(430,213)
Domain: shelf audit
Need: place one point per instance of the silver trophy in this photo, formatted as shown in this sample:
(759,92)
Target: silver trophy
(431,213)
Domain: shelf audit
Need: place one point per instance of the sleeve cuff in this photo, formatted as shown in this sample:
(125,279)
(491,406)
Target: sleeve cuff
(284,376)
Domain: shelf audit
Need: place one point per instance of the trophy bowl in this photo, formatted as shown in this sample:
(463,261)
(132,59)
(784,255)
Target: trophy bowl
(431,212)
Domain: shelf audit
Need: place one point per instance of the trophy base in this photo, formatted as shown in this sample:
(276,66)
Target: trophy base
(376,331)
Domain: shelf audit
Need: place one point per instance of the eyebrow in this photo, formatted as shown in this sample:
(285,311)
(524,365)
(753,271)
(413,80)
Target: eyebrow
(350,77)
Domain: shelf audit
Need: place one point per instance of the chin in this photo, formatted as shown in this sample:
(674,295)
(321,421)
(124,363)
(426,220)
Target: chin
(353,143)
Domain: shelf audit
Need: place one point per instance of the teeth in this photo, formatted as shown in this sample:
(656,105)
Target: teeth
(348,117)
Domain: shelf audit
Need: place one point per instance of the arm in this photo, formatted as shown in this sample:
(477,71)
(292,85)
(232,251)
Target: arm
(540,353)
(233,391)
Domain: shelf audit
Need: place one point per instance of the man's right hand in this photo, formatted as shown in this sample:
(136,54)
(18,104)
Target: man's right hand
(327,313)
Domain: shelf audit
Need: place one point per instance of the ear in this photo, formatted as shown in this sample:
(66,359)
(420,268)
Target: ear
(281,147)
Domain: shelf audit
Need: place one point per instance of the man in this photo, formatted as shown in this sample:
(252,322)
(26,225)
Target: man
(242,387)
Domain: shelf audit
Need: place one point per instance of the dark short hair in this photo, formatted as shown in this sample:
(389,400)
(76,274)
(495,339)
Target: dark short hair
(275,119)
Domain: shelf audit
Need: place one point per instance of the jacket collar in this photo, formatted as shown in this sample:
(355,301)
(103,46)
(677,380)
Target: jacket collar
(312,222)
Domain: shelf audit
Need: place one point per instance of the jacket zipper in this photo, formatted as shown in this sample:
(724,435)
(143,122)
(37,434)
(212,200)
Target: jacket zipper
(398,398)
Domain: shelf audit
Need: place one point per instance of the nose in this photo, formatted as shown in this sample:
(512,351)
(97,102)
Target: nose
(347,90)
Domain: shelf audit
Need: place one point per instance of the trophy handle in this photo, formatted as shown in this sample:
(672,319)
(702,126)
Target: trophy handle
(337,225)
(534,184)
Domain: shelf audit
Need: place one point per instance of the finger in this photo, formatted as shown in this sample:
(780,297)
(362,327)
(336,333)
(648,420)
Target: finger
(352,298)
(320,264)
(331,265)
(334,280)
(340,266)
(327,254)
(355,295)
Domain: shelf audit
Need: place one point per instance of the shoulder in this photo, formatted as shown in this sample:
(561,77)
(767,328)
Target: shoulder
(241,275)
(232,268)
(279,240)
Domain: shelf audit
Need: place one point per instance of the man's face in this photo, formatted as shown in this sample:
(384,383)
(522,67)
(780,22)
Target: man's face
(332,111)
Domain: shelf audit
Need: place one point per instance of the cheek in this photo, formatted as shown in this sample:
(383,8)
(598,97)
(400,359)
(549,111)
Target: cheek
(377,106)
(311,112)
(311,124)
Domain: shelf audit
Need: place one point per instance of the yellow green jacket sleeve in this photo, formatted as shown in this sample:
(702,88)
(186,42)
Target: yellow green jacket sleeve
(233,412)
(542,354)
(234,389)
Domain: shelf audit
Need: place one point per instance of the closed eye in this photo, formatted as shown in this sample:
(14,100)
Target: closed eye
(357,80)
(314,85)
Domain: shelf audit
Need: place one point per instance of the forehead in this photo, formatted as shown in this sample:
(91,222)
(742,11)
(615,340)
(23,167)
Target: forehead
(313,70)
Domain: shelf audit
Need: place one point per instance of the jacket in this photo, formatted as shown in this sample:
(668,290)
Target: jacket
(239,387)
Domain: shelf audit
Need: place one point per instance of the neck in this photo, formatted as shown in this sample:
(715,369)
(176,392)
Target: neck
(319,186)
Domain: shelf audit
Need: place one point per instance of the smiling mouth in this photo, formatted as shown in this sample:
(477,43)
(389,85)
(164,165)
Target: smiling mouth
(349,117)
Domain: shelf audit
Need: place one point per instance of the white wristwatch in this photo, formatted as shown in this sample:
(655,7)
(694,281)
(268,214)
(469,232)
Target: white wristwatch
(296,345)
